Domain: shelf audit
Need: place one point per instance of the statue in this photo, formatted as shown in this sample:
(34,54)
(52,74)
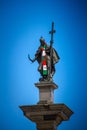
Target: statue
(47,57)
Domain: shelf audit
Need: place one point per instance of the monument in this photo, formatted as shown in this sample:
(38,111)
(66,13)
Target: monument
(46,114)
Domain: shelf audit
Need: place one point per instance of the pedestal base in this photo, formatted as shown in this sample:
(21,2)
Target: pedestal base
(47,117)
(46,92)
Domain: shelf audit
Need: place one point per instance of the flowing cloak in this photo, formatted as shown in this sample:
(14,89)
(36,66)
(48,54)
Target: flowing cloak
(55,56)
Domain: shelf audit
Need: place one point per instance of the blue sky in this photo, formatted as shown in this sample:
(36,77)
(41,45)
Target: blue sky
(22,23)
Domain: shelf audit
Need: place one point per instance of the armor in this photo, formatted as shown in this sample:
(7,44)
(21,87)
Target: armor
(45,60)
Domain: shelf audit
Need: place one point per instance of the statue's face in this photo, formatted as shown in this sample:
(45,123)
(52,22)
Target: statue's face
(42,43)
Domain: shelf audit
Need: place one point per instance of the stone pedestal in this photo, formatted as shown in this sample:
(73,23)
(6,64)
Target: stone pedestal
(46,114)
(46,92)
(47,117)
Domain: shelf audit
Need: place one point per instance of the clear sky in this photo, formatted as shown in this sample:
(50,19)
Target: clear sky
(22,23)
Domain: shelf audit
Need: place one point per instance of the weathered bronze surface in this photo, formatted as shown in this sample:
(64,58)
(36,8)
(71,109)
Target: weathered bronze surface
(47,57)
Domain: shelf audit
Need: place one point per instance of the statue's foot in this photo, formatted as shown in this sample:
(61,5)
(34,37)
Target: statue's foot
(49,79)
(41,79)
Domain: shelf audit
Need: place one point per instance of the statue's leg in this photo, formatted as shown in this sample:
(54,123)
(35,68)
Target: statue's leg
(49,73)
(40,68)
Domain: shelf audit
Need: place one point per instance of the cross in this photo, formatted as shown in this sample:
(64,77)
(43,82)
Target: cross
(52,32)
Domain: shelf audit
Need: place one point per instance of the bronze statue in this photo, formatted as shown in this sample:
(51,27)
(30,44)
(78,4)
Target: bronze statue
(47,57)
